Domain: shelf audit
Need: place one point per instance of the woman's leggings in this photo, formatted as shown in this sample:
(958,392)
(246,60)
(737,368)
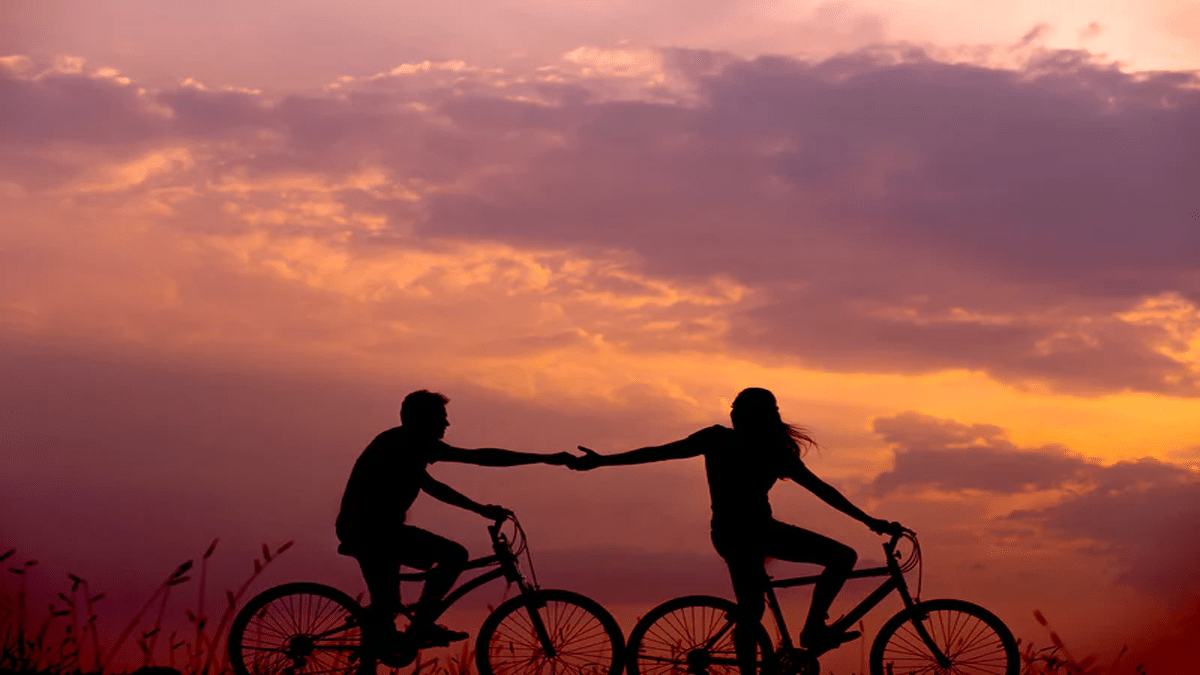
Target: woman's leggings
(745,549)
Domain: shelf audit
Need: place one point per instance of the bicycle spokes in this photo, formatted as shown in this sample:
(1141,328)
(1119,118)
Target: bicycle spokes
(306,631)
(951,637)
(554,633)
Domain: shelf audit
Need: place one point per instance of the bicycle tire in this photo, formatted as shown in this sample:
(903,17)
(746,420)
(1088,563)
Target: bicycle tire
(976,641)
(671,639)
(586,638)
(299,628)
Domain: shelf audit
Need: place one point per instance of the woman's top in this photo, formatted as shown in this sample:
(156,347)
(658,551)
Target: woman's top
(740,474)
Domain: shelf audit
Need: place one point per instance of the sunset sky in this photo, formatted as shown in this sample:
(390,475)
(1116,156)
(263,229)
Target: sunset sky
(959,241)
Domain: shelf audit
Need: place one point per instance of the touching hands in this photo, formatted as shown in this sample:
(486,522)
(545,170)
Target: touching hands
(590,460)
(558,459)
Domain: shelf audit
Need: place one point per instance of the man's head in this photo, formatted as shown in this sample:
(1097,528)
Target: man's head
(424,412)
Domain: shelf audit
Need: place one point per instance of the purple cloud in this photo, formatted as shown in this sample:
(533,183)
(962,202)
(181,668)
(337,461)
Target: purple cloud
(947,455)
(1145,513)
(890,212)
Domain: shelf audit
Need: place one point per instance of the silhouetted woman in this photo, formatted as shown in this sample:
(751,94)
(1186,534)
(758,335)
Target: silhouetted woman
(742,464)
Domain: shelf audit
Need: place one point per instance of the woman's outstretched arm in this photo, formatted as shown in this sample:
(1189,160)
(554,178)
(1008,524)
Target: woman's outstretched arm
(656,453)
(830,495)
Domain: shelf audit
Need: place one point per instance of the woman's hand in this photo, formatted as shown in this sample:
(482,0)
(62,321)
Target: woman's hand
(558,459)
(881,526)
(590,460)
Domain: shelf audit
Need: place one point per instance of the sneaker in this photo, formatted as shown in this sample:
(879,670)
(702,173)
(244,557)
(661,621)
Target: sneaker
(435,635)
(825,638)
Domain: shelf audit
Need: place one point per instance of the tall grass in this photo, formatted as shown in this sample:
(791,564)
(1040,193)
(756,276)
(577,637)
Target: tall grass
(67,641)
(1057,659)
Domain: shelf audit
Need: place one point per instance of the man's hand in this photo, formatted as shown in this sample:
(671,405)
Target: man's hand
(881,526)
(494,512)
(559,459)
(590,460)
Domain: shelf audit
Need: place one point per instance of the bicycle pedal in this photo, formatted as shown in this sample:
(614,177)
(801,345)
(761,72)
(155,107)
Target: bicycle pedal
(434,642)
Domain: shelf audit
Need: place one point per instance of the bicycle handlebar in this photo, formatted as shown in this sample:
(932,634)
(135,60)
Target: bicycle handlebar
(913,558)
(497,523)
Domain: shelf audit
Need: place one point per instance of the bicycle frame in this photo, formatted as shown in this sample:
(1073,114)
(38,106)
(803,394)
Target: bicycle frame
(895,582)
(502,559)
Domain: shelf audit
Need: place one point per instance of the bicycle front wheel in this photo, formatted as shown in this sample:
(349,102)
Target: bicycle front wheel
(299,628)
(972,640)
(692,635)
(549,633)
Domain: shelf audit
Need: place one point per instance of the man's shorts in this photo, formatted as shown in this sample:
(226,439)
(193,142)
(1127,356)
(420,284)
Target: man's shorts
(407,545)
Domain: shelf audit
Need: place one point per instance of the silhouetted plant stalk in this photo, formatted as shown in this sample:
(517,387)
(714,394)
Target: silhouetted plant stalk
(200,646)
(233,599)
(26,651)
(1057,658)
(177,577)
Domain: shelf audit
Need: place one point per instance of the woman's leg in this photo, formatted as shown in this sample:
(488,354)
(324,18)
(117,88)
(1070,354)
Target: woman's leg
(749,587)
(796,544)
(739,547)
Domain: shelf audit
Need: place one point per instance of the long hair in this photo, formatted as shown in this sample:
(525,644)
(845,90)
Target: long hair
(756,412)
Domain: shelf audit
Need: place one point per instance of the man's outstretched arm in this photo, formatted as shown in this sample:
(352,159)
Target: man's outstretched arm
(444,493)
(499,457)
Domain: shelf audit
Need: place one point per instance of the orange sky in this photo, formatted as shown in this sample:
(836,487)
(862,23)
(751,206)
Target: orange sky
(961,251)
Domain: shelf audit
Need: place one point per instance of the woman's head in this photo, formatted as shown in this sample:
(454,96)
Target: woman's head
(756,412)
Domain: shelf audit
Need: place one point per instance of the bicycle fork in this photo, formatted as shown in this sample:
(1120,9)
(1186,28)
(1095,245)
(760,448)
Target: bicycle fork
(539,627)
(918,622)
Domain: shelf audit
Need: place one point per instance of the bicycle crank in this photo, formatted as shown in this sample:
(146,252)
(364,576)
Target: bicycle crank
(797,662)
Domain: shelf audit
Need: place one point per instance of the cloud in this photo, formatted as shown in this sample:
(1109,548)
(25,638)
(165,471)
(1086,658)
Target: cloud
(64,103)
(1145,512)
(903,214)
(881,211)
(950,456)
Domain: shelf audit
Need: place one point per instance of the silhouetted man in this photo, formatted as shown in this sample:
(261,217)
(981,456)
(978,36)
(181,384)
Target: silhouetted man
(385,481)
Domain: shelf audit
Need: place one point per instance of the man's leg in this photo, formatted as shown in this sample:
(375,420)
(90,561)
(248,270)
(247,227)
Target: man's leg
(788,542)
(443,560)
(381,571)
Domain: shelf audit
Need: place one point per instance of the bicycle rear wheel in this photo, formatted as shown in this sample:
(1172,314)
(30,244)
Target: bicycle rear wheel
(973,640)
(299,628)
(549,633)
(692,635)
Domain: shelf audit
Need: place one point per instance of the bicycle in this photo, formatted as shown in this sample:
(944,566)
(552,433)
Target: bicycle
(693,635)
(309,628)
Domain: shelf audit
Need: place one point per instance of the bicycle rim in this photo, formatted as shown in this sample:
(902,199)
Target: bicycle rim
(973,640)
(584,637)
(297,629)
(690,636)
